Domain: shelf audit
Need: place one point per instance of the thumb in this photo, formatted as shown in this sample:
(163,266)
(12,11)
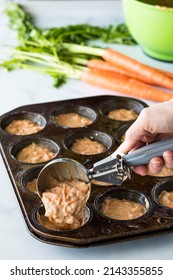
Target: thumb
(126,146)
(132,141)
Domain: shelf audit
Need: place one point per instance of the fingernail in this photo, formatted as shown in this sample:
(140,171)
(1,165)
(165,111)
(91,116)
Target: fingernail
(157,164)
(169,158)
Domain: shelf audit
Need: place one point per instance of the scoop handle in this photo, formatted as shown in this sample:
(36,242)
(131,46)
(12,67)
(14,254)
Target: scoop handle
(145,154)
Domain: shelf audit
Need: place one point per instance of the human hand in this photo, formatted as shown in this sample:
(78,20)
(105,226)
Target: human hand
(153,124)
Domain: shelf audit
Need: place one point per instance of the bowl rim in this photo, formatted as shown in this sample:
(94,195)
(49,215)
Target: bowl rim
(151,6)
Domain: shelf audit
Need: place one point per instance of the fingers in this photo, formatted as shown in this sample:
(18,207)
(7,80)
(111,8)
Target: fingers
(141,170)
(168,159)
(156,165)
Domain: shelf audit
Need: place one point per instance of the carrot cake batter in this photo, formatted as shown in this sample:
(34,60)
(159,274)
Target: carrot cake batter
(65,204)
(35,153)
(122,115)
(87,146)
(166,199)
(23,127)
(72,120)
(122,209)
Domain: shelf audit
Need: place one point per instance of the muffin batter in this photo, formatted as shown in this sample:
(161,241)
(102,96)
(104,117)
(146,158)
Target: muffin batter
(121,209)
(101,183)
(23,127)
(122,138)
(122,115)
(72,120)
(65,204)
(87,146)
(35,153)
(31,186)
(166,199)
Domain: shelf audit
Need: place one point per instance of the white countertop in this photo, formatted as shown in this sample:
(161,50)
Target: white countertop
(21,88)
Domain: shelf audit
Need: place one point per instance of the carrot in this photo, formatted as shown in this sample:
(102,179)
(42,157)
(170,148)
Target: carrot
(129,64)
(101,64)
(169,74)
(110,80)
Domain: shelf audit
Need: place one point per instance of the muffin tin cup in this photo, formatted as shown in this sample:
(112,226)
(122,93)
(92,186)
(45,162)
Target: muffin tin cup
(157,190)
(120,133)
(43,222)
(79,110)
(20,145)
(28,177)
(120,103)
(94,135)
(97,229)
(121,194)
(37,118)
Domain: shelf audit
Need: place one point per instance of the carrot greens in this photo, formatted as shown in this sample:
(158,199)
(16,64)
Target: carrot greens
(22,22)
(57,51)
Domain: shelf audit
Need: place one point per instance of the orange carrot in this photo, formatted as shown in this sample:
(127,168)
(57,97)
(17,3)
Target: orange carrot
(129,64)
(169,74)
(110,80)
(101,64)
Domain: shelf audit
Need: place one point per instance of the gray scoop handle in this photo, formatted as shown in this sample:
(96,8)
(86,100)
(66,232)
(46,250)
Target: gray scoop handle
(145,154)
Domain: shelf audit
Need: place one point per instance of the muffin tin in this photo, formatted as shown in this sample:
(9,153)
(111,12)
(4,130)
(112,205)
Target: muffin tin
(97,228)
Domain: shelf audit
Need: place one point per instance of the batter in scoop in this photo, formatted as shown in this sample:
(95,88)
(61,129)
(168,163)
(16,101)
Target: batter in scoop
(65,203)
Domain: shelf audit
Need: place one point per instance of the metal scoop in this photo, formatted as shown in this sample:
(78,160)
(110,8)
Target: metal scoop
(113,169)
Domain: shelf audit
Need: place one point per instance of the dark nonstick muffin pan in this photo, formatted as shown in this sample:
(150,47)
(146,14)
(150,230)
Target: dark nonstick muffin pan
(97,229)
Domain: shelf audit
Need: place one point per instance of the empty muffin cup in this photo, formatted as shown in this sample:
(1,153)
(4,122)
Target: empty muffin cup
(122,110)
(74,117)
(88,142)
(162,194)
(121,204)
(24,123)
(44,221)
(33,151)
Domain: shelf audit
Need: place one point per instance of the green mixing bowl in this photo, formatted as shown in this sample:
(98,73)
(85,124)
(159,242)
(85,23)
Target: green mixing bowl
(151,26)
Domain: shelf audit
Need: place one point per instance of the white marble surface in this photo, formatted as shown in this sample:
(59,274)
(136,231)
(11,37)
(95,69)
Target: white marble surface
(22,87)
